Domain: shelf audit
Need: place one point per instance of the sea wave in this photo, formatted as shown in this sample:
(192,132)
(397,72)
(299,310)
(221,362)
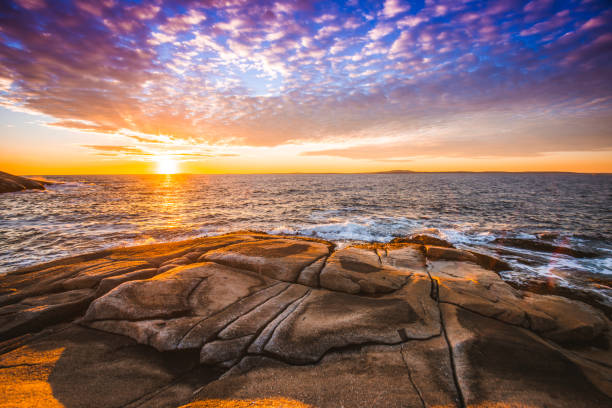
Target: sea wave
(87,213)
(339,231)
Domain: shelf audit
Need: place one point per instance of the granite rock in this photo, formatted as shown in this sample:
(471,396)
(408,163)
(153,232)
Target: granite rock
(251,318)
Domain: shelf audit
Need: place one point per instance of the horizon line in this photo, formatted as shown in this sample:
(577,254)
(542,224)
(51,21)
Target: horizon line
(390,172)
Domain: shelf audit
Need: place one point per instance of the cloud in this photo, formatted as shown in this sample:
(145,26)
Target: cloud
(116,150)
(32,4)
(392,8)
(183,153)
(596,22)
(410,21)
(559,19)
(83,126)
(505,138)
(402,43)
(380,31)
(146,11)
(268,73)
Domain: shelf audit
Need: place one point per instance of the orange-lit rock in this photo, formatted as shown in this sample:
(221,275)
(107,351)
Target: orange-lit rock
(360,270)
(32,313)
(257,403)
(281,259)
(79,367)
(276,321)
(404,256)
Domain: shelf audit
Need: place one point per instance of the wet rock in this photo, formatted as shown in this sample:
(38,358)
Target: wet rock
(435,253)
(540,246)
(548,236)
(490,262)
(483,292)
(550,286)
(423,239)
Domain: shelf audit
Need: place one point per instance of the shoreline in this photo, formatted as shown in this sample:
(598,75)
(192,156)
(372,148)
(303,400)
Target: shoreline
(256,316)
(535,284)
(10,183)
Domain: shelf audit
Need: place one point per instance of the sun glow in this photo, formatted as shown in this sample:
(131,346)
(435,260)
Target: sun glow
(166,165)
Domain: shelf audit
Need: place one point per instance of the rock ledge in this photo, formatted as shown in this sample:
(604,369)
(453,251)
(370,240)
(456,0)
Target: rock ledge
(250,318)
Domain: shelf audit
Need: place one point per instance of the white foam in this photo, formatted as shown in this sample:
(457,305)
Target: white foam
(339,231)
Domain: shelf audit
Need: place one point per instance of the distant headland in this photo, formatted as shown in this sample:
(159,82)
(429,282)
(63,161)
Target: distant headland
(10,183)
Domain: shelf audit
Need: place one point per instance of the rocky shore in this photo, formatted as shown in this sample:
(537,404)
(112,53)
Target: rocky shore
(250,319)
(10,183)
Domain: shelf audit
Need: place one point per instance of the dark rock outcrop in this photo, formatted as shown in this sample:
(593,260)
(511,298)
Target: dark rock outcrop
(250,318)
(546,285)
(423,239)
(535,245)
(10,183)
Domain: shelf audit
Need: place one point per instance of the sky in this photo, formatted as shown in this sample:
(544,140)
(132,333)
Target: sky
(236,86)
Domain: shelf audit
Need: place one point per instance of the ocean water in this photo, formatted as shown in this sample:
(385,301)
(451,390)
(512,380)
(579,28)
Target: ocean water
(88,213)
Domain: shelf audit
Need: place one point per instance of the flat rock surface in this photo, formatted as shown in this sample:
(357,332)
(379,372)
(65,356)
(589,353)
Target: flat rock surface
(362,270)
(250,319)
(373,376)
(80,367)
(502,364)
(281,259)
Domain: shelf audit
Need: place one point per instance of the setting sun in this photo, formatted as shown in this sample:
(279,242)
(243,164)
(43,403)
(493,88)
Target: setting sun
(166,165)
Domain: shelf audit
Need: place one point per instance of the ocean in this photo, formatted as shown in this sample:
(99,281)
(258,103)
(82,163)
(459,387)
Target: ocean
(471,210)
